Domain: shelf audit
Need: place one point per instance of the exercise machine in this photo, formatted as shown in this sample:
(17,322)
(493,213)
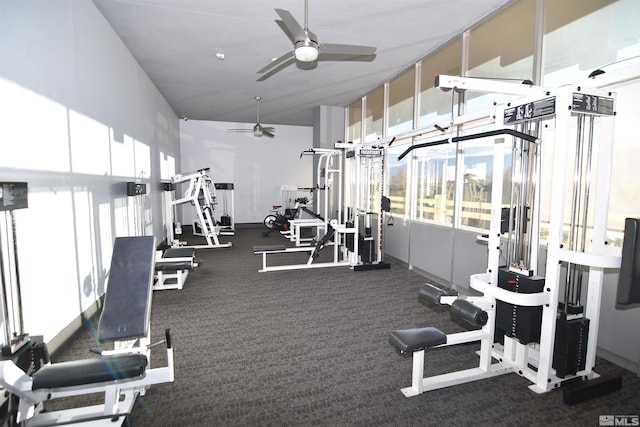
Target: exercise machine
(538,319)
(224,192)
(365,203)
(201,195)
(356,243)
(173,266)
(121,371)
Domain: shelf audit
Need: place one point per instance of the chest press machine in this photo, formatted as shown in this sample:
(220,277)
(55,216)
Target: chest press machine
(540,325)
(121,373)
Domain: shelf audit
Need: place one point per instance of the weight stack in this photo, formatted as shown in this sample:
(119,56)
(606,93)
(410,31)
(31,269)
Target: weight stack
(570,348)
(516,321)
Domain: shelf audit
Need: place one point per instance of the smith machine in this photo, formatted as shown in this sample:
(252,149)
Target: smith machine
(535,317)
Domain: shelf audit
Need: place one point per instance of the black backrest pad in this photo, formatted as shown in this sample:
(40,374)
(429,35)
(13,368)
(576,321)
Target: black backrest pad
(629,279)
(127,301)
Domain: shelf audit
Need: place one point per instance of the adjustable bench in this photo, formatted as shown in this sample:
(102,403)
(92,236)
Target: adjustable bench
(120,373)
(173,267)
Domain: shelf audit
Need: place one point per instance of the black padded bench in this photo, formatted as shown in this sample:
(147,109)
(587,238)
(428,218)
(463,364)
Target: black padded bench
(90,371)
(173,267)
(125,316)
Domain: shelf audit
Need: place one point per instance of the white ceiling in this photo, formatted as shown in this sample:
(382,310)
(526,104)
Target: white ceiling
(176,42)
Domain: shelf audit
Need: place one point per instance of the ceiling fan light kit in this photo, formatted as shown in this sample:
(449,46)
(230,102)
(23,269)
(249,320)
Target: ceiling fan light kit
(306,51)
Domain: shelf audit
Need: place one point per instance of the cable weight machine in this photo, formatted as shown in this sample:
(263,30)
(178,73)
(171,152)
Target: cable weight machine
(540,317)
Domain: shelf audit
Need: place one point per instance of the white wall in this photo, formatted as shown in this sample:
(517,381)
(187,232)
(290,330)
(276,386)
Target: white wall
(257,167)
(78,119)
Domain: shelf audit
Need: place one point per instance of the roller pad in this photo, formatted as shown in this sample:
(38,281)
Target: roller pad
(429,294)
(127,302)
(408,341)
(90,371)
(469,312)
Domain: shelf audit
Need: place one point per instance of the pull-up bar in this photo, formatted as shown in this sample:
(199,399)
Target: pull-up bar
(496,132)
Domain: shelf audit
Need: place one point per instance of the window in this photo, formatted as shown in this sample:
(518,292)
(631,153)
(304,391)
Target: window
(435,105)
(400,111)
(436,183)
(578,37)
(502,47)
(477,177)
(354,130)
(624,199)
(373,117)
(397,172)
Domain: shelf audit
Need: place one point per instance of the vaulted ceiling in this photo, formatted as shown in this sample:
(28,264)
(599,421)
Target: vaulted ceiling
(180,45)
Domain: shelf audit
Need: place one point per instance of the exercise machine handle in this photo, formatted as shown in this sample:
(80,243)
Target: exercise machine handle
(167,334)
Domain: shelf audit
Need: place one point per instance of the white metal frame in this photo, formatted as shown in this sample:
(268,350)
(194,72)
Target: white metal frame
(198,182)
(168,280)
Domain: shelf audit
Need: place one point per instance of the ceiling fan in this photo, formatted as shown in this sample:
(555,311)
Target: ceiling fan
(307,49)
(258,130)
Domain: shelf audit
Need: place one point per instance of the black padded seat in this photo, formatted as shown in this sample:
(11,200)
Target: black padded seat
(179,253)
(269,248)
(408,341)
(90,371)
(174,265)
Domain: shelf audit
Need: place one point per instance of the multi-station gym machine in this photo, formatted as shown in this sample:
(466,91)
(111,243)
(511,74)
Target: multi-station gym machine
(200,193)
(536,316)
(352,226)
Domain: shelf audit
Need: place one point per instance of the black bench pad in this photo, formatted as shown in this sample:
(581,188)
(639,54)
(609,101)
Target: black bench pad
(174,265)
(269,248)
(179,253)
(127,301)
(410,340)
(90,371)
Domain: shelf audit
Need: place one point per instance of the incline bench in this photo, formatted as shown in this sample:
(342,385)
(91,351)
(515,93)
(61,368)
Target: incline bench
(122,373)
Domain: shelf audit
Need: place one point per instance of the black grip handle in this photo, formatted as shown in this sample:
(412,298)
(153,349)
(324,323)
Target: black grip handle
(167,335)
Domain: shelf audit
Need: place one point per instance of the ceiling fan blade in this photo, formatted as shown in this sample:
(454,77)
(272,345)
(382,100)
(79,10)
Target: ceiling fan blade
(269,128)
(345,49)
(291,24)
(280,67)
(267,133)
(276,62)
(239,130)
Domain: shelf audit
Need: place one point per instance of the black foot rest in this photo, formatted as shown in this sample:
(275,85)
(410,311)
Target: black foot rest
(408,341)
(469,312)
(429,294)
(269,248)
(90,371)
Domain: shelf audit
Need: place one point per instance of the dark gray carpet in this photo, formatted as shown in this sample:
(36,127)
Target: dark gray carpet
(310,347)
